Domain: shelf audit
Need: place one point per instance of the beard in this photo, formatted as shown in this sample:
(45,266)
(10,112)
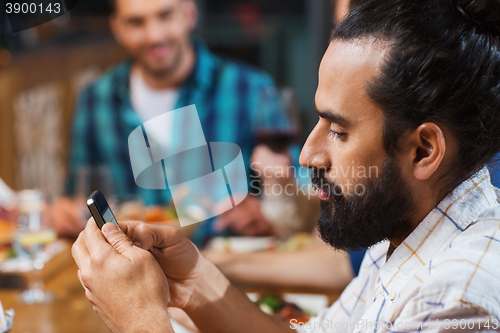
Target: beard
(357,221)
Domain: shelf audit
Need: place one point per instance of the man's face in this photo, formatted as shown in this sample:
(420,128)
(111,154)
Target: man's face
(155,32)
(364,198)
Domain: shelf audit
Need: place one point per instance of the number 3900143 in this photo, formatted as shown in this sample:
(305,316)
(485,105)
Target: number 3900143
(32,8)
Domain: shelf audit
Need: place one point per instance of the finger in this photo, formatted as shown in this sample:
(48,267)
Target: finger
(165,237)
(143,236)
(117,239)
(80,253)
(128,227)
(95,241)
(83,281)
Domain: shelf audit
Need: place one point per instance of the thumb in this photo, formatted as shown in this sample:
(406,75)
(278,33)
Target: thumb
(117,238)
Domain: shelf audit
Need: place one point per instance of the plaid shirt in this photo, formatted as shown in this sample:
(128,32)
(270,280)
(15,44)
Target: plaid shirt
(447,268)
(234,102)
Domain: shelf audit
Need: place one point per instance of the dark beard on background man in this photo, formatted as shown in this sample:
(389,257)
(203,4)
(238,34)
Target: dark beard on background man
(353,222)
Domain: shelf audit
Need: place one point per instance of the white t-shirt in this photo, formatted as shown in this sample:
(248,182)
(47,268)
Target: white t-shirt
(149,103)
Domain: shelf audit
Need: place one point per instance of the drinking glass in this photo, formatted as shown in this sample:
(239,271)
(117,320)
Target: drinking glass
(277,136)
(33,235)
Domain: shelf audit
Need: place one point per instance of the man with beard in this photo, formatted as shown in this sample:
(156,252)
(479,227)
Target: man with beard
(408,87)
(169,69)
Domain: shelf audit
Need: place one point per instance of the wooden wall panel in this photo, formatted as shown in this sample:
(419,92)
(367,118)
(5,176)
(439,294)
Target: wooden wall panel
(44,83)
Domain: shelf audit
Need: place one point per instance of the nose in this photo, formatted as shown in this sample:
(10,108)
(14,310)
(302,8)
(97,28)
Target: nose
(314,153)
(153,32)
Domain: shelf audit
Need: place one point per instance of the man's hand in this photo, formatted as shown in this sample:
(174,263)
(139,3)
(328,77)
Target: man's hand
(125,284)
(271,167)
(179,259)
(66,217)
(246,219)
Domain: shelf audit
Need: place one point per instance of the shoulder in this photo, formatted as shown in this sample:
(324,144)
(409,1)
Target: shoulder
(468,270)
(106,84)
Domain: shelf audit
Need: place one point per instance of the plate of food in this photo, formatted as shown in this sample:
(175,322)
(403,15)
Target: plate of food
(240,244)
(297,308)
(158,215)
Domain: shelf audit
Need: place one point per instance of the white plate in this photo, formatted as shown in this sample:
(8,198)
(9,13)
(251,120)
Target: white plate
(308,302)
(178,328)
(241,244)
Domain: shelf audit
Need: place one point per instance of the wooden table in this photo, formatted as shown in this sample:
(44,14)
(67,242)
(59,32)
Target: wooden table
(72,312)
(69,312)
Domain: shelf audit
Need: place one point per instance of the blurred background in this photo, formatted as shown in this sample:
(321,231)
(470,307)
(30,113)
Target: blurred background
(42,70)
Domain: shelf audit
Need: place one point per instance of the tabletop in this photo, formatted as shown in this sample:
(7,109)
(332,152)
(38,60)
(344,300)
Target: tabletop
(72,312)
(69,312)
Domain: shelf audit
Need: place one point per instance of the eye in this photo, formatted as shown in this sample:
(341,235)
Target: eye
(165,15)
(135,22)
(336,135)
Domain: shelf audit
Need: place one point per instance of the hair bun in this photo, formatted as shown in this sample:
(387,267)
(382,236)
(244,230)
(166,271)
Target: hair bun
(482,12)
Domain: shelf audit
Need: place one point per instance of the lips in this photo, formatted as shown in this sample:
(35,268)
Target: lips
(323,195)
(159,52)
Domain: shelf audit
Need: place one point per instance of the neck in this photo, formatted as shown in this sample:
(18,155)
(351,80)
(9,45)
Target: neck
(173,79)
(423,207)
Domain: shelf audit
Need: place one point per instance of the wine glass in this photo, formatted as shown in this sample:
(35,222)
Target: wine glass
(277,135)
(33,235)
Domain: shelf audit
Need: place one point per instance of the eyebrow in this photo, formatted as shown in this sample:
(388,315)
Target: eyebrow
(166,11)
(334,117)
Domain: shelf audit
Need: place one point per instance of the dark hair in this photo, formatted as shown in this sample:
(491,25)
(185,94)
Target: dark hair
(443,66)
(112,5)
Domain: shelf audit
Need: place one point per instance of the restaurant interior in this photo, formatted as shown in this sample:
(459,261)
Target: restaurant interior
(96,127)
(44,67)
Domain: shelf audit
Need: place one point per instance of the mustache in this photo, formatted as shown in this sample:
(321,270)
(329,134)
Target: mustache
(320,182)
(157,45)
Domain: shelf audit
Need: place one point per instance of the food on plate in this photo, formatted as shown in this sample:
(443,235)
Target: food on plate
(276,306)
(6,237)
(160,214)
(6,232)
(299,241)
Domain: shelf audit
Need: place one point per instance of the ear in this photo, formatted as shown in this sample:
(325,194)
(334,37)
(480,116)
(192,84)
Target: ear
(427,149)
(191,12)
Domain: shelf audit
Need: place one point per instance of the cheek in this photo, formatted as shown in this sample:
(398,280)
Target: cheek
(177,28)
(133,39)
(356,161)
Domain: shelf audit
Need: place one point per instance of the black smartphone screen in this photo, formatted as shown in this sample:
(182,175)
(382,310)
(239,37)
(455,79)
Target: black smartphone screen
(100,210)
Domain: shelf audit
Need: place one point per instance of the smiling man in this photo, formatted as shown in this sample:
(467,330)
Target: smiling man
(167,69)
(412,89)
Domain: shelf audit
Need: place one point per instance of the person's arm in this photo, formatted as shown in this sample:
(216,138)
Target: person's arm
(321,268)
(134,296)
(217,306)
(66,217)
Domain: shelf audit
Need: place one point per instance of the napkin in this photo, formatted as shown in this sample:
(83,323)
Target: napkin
(7,196)
(3,320)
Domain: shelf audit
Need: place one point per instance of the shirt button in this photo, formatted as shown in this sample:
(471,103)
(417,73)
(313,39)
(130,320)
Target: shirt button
(392,295)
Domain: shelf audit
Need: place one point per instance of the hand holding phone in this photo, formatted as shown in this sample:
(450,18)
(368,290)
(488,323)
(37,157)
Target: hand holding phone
(100,210)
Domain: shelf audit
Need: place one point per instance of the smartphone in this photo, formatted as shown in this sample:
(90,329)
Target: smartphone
(100,210)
